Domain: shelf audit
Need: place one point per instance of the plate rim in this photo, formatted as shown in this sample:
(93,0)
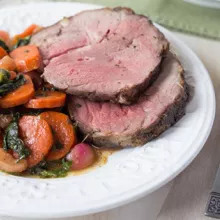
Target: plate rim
(130,196)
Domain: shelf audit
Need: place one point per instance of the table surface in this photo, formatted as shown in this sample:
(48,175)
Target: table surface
(149,206)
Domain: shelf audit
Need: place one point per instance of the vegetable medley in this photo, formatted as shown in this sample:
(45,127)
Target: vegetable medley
(36,136)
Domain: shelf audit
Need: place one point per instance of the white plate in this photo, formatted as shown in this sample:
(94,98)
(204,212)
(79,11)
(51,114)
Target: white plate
(129,174)
(206,3)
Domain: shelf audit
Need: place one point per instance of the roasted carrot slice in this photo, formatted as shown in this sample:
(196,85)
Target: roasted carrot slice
(2,142)
(47,99)
(2,52)
(9,164)
(20,96)
(37,136)
(12,75)
(4,35)
(30,30)
(36,78)
(27,32)
(7,63)
(1,139)
(63,131)
(27,58)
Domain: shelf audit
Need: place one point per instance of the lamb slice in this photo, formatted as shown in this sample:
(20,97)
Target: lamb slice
(105,54)
(114,125)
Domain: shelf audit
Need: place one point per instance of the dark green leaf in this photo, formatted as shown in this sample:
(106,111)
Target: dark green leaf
(4,76)
(41,93)
(34,112)
(12,85)
(57,145)
(12,141)
(66,164)
(47,170)
(78,105)
(47,88)
(4,46)
(16,116)
(23,42)
(52,173)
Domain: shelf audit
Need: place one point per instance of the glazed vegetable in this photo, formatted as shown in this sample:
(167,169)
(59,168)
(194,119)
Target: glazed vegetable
(22,42)
(3,52)
(9,164)
(6,83)
(44,169)
(81,156)
(13,75)
(5,120)
(47,99)
(27,32)
(16,92)
(27,58)
(34,140)
(4,46)
(37,136)
(13,142)
(1,139)
(36,78)
(4,36)
(4,76)
(10,85)
(7,63)
(48,87)
(63,131)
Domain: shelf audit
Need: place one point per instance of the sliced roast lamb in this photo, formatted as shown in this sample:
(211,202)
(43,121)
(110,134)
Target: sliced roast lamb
(114,125)
(105,54)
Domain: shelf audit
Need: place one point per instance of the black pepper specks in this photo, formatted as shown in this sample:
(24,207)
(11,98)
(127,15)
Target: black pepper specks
(78,105)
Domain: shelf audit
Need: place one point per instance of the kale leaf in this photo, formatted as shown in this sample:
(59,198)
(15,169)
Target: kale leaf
(4,46)
(46,169)
(22,42)
(12,141)
(4,76)
(57,145)
(12,85)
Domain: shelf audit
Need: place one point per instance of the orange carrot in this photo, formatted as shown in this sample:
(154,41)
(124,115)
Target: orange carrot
(1,139)
(18,97)
(63,131)
(12,75)
(5,37)
(27,58)
(27,32)
(7,63)
(47,99)
(37,136)
(10,151)
(36,78)
(2,52)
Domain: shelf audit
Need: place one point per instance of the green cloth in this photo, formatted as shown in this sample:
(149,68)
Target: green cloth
(174,14)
